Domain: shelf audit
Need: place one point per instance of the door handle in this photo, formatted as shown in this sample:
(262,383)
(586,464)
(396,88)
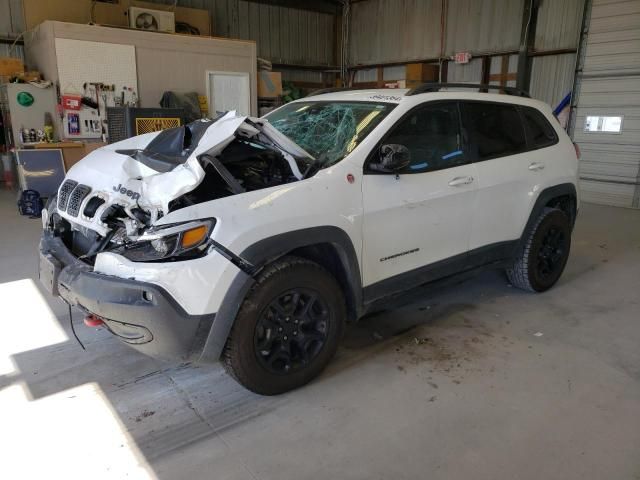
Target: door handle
(534,167)
(456,182)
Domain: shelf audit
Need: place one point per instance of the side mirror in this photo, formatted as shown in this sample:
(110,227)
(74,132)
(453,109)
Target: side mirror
(394,157)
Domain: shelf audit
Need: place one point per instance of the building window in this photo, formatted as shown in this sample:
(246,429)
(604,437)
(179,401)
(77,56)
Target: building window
(603,124)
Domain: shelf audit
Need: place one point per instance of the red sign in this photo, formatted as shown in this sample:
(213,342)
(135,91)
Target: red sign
(462,57)
(71,102)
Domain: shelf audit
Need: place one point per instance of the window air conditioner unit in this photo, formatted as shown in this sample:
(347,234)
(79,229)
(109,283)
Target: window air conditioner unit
(152,20)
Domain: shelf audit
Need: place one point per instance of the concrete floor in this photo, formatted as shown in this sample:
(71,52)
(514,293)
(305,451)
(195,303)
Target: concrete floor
(477,380)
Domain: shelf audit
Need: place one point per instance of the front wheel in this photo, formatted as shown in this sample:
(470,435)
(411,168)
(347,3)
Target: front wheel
(544,255)
(287,329)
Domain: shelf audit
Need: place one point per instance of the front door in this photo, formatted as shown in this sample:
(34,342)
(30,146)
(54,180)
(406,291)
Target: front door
(418,221)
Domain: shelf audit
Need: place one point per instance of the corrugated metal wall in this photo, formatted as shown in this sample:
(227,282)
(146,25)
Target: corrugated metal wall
(302,76)
(558,27)
(610,85)
(483,26)
(11,20)
(552,77)
(406,30)
(17,51)
(559,24)
(394,30)
(468,73)
(384,31)
(287,35)
(283,35)
(11,24)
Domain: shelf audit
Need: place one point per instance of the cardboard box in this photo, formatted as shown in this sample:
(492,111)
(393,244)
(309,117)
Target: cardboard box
(72,152)
(29,76)
(417,73)
(10,66)
(73,155)
(91,146)
(269,84)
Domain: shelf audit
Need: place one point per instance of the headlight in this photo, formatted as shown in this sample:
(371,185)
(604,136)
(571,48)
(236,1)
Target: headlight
(170,241)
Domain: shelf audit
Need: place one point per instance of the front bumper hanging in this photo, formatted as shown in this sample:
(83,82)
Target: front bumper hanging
(141,314)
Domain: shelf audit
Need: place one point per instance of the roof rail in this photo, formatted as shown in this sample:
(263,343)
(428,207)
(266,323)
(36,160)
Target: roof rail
(435,87)
(332,90)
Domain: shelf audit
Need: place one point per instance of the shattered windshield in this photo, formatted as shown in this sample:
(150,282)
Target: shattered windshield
(328,130)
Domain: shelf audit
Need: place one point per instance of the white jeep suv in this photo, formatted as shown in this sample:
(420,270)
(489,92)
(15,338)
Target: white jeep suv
(253,240)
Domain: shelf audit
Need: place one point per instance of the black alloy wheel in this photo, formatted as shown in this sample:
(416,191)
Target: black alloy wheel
(542,257)
(551,253)
(288,327)
(291,331)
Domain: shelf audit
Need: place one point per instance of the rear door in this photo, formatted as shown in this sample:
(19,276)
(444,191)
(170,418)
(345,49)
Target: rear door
(422,215)
(543,161)
(506,184)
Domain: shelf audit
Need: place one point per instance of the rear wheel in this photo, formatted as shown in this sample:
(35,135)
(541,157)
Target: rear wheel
(287,329)
(544,255)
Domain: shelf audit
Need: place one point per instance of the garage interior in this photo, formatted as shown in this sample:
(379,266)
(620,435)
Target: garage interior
(473,379)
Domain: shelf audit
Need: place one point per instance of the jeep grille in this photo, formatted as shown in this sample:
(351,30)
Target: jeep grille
(78,194)
(63,195)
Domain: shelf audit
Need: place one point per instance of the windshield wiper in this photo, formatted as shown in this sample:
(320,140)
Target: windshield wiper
(317,165)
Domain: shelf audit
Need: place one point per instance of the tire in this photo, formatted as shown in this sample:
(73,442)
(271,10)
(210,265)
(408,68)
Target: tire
(542,259)
(281,339)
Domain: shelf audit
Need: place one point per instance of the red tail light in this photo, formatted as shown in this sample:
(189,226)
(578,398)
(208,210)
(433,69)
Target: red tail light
(577,149)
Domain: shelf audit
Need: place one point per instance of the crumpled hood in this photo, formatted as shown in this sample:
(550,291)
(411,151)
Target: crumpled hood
(116,177)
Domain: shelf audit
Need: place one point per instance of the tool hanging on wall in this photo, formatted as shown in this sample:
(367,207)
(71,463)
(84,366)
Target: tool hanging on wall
(128,97)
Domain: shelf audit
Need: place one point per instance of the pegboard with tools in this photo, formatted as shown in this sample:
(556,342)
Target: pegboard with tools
(93,76)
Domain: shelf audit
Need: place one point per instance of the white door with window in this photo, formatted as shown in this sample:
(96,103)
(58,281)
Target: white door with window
(422,215)
(228,91)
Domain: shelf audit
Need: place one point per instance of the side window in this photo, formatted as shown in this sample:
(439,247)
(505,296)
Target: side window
(496,130)
(541,134)
(432,135)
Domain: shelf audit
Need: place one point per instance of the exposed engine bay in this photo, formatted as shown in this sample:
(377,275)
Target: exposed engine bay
(111,199)
(243,166)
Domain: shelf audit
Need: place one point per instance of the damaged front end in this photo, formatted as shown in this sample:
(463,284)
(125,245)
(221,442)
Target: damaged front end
(128,216)
(112,199)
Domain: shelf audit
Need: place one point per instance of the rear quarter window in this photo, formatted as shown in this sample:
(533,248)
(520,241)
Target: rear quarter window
(540,132)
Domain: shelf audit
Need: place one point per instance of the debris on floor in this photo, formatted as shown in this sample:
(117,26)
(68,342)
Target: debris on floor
(144,414)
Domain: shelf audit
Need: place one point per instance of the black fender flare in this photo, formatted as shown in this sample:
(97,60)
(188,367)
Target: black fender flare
(545,196)
(263,253)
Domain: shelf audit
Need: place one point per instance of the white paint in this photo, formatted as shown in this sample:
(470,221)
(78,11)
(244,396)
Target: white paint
(417,211)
